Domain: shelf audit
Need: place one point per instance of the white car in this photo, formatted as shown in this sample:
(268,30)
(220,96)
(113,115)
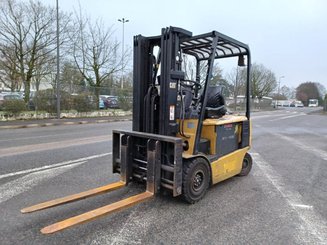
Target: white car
(297,104)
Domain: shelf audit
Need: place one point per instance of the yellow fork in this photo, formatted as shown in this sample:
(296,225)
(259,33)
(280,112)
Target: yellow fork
(74,197)
(96,213)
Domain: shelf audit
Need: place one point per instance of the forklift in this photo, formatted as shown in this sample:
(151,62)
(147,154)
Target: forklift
(183,140)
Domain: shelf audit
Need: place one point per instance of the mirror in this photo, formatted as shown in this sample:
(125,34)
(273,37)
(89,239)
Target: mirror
(241,60)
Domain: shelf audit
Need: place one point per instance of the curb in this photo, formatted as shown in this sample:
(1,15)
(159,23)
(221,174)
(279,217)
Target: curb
(35,125)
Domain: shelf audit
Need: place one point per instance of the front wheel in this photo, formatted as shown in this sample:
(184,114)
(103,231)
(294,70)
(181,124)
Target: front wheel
(246,165)
(196,179)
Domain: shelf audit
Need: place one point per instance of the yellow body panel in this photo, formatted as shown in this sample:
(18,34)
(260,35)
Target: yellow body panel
(225,120)
(189,130)
(209,132)
(228,166)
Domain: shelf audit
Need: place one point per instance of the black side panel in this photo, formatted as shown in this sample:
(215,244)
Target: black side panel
(227,140)
(245,134)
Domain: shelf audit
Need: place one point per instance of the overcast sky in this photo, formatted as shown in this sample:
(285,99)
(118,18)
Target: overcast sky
(286,36)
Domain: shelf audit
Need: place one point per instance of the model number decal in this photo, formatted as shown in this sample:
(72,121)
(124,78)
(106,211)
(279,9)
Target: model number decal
(172,85)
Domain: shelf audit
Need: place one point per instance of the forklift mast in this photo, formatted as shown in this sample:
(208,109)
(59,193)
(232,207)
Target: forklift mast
(154,113)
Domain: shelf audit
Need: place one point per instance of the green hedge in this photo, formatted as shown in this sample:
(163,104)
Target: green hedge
(84,102)
(125,99)
(13,106)
(46,100)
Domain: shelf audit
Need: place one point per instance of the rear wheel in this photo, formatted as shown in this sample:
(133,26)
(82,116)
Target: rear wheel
(196,179)
(246,165)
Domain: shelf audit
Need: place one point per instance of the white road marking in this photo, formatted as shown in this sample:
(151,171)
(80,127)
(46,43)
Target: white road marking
(38,137)
(53,145)
(120,236)
(56,165)
(264,116)
(20,185)
(319,153)
(302,206)
(311,221)
(132,232)
(314,133)
(287,117)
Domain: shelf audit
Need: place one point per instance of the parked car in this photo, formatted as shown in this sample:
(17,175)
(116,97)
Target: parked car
(4,97)
(110,101)
(9,96)
(296,104)
(31,103)
(101,103)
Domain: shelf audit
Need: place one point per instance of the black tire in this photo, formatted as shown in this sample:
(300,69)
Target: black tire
(196,179)
(246,165)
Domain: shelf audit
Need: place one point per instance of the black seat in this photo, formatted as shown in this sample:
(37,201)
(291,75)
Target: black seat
(215,107)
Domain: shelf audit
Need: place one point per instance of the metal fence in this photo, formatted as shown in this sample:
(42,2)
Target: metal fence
(239,104)
(81,99)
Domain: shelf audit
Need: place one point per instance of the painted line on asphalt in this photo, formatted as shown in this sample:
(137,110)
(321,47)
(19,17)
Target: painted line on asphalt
(287,117)
(33,137)
(17,150)
(132,231)
(303,206)
(264,116)
(314,133)
(33,125)
(56,165)
(319,153)
(311,221)
(25,183)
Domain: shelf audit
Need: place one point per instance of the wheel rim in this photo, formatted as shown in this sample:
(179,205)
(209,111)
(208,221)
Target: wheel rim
(245,163)
(198,180)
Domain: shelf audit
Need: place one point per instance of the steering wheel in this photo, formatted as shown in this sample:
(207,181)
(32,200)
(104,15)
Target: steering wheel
(191,84)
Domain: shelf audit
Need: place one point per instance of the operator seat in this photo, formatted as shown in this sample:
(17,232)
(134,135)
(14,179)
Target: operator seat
(215,107)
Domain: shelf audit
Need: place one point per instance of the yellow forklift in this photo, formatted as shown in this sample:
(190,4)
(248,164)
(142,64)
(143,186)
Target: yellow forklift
(183,139)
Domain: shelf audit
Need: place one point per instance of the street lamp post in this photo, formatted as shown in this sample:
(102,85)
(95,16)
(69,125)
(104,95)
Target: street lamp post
(123,20)
(57,76)
(278,89)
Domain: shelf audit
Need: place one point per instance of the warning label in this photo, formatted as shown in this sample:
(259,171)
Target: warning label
(171,112)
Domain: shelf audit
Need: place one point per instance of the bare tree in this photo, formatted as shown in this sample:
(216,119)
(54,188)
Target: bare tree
(263,81)
(29,29)
(287,92)
(94,52)
(236,78)
(71,78)
(322,90)
(237,83)
(306,91)
(44,69)
(8,69)
(189,67)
